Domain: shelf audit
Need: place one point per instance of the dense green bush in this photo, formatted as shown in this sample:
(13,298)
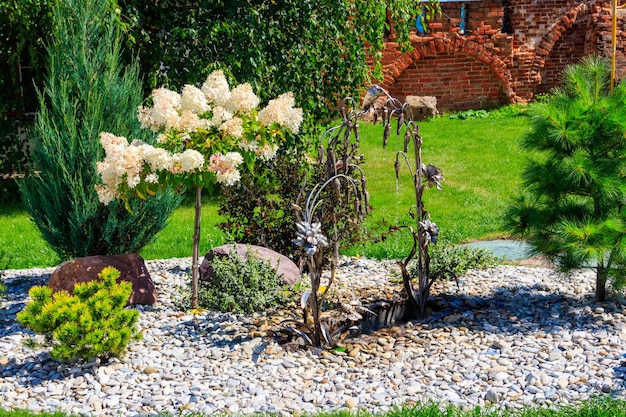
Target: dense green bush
(241,286)
(87,91)
(448,261)
(258,211)
(311,48)
(90,323)
(13,158)
(23,25)
(572,207)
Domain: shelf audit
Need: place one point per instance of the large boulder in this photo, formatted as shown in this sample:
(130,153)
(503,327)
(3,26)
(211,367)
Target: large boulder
(421,107)
(289,271)
(132,268)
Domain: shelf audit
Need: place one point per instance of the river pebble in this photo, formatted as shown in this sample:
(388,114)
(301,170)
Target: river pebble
(507,336)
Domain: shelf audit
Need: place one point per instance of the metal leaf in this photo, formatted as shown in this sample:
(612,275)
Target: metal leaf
(300,333)
(326,333)
(304,300)
(407,138)
(386,135)
(400,123)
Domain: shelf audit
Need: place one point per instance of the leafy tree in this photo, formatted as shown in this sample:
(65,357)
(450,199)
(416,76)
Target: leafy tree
(86,91)
(317,49)
(574,208)
(22,24)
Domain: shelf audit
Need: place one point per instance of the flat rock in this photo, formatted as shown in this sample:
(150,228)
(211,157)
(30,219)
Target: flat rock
(132,269)
(285,267)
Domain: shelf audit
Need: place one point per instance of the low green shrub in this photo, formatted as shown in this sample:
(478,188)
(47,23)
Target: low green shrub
(241,286)
(449,261)
(469,114)
(90,323)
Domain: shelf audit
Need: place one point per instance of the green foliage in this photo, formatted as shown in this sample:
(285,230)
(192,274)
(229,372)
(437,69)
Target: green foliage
(241,286)
(86,91)
(90,323)
(451,261)
(22,24)
(574,206)
(258,211)
(317,49)
(470,114)
(13,158)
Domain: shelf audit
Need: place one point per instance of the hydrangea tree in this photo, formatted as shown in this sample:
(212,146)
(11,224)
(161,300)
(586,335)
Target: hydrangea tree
(205,137)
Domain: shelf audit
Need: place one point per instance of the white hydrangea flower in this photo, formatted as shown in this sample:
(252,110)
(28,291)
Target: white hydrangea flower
(249,145)
(216,88)
(106,194)
(193,99)
(225,167)
(280,110)
(232,127)
(158,158)
(152,178)
(189,121)
(229,178)
(144,114)
(220,115)
(133,181)
(267,152)
(165,108)
(190,160)
(112,145)
(233,159)
(242,99)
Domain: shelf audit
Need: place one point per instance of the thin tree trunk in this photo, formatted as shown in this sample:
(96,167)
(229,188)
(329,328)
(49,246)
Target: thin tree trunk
(195,267)
(602,274)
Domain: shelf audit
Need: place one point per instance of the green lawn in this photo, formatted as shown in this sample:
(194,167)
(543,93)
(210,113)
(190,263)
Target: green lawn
(599,407)
(481,161)
(480,158)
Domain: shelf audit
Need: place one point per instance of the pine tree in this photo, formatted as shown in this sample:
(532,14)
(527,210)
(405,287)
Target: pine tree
(574,208)
(87,90)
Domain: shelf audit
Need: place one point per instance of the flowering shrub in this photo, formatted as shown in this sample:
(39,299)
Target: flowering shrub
(204,136)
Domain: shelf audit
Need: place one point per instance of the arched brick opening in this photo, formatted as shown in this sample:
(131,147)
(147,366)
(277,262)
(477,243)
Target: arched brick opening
(462,74)
(566,43)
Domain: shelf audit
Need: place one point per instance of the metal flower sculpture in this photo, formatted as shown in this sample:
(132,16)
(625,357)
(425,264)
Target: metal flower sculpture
(423,176)
(332,212)
(310,237)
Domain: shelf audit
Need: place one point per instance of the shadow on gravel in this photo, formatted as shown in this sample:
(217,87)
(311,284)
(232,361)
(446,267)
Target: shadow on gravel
(14,299)
(40,368)
(523,309)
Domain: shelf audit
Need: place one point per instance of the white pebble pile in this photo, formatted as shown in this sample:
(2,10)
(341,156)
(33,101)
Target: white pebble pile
(509,336)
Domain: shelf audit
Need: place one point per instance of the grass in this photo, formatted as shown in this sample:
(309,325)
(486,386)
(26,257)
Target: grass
(481,161)
(24,247)
(480,158)
(597,407)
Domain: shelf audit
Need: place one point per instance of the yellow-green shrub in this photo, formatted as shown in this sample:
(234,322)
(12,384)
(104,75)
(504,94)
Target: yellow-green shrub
(93,322)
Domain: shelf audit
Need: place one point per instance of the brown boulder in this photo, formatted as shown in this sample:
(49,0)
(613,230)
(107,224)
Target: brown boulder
(421,107)
(289,271)
(132,268)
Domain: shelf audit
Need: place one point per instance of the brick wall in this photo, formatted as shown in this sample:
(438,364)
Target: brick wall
(511,51)
(455,79)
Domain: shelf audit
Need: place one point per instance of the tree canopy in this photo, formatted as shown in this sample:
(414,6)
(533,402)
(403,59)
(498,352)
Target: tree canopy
(574,206)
